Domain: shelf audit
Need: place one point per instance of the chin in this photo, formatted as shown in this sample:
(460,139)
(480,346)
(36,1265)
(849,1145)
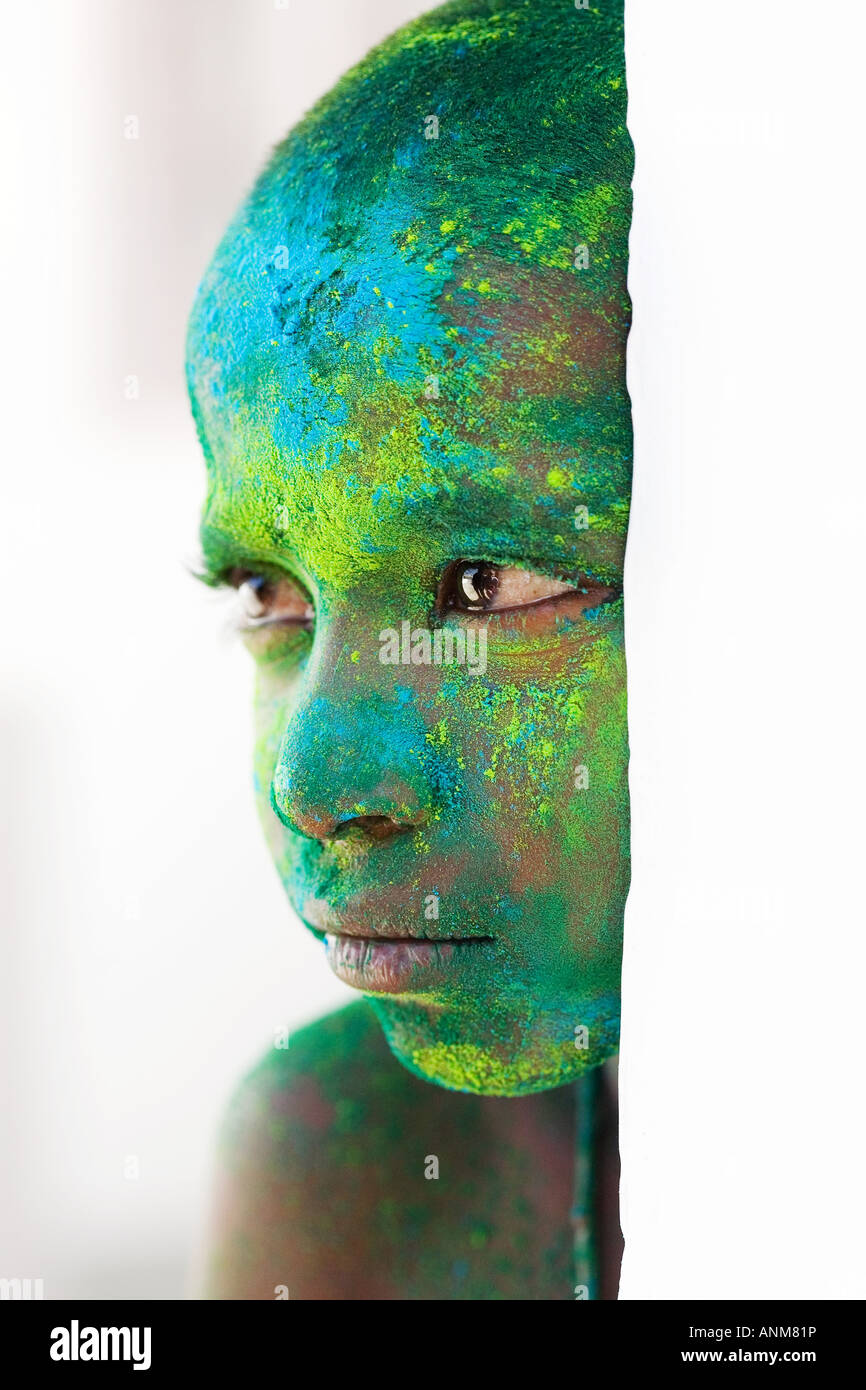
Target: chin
(506,1054)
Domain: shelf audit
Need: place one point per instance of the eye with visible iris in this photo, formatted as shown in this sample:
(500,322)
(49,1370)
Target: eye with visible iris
(476,586)
(266,600)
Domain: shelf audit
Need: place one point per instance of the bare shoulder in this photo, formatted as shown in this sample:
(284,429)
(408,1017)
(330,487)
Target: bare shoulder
(316,1146)
(309,1089)
(341,1175)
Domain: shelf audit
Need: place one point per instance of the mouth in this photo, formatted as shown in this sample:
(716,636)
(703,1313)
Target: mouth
(400,965)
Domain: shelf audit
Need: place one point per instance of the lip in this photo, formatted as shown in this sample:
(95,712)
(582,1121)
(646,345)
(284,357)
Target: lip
(407,965)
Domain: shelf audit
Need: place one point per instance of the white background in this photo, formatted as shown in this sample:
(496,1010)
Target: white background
(147,953)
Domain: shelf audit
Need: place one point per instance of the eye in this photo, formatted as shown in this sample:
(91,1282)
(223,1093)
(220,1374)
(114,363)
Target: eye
(475,586)
(267,600)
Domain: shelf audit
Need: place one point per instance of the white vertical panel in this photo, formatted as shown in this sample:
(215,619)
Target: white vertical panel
(741,1078)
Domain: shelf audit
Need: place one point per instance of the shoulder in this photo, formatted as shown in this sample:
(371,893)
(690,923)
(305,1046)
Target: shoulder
(303,1084)
(305,1145)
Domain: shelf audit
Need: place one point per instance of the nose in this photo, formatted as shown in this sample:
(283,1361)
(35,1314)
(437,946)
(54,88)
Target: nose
(351,768)
(370,828)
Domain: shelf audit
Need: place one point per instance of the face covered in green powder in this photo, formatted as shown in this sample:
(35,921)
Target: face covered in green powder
(407,367)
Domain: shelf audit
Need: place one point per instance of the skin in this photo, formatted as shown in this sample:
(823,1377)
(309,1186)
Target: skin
(400,367)
(321,1186)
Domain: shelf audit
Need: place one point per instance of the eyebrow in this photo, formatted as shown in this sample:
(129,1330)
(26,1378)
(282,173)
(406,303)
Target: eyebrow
(217,556)
(204,572)
(220,553)
(232,539)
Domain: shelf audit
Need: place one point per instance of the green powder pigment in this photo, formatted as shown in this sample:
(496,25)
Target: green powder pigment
(409,351)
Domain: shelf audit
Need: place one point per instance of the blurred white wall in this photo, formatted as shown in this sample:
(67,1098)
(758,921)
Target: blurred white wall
(742,1120)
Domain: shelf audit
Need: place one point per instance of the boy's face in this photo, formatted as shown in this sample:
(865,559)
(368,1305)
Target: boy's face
(413,459)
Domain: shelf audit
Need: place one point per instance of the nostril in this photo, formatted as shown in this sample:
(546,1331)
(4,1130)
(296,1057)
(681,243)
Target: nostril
(367,827)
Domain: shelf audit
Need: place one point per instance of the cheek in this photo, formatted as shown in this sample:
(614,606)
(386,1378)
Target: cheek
(274,695)
(551,766)
(270,722)
(548,752)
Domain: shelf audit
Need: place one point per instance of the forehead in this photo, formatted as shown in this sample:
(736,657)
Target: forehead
(394,326)
(359,378)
